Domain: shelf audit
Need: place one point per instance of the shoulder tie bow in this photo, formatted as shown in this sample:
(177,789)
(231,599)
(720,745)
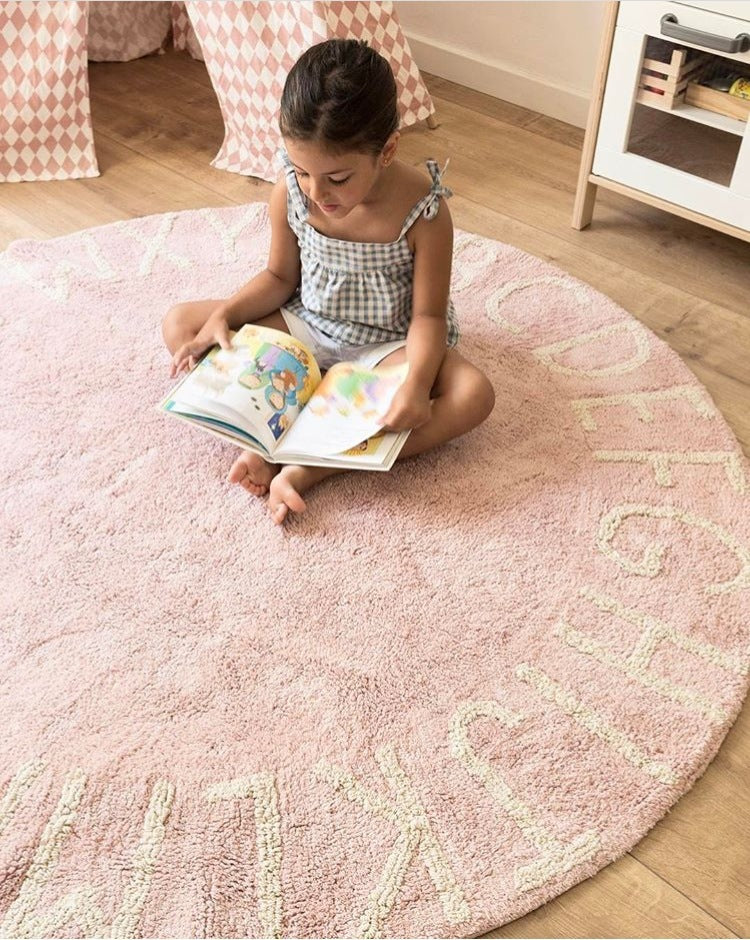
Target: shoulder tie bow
(437,189)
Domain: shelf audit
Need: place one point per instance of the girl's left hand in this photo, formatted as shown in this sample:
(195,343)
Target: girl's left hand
(410,408)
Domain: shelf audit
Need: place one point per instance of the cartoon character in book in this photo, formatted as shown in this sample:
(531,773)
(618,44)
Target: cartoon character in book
(301,366)
(274,368)
(281,390)
(281,394)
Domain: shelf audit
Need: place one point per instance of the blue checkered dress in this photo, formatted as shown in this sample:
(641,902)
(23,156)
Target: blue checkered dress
(358,292)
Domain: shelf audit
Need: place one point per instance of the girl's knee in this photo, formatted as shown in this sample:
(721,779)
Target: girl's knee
(476,396)
(174,314)
(174,322)
(472,395)
(184,320)
(483,395)
(170,317)
(469,390)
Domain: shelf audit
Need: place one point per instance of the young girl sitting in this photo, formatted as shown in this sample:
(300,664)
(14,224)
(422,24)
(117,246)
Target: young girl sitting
(359,266)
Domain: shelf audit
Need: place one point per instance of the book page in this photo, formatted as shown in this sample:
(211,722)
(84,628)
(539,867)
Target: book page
(344,410)
(258,386)
(376,453)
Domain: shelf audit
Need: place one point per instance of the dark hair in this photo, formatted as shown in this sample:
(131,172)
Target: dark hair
(341,93)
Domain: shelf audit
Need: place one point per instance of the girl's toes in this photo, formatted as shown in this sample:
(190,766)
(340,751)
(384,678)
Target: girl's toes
(252,473)
(283,497)
(277,508)
(279,514)
(283,491)
(237,472)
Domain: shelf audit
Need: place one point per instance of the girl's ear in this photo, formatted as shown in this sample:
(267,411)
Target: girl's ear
(391,146)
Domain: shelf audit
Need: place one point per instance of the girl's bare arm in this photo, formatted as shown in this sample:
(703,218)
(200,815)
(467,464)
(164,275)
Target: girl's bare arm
(427,335)
(276,283)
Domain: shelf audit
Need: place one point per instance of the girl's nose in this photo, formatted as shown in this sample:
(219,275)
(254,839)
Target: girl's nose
(317,193)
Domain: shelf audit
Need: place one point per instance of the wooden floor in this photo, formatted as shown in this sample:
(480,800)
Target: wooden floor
(157,126)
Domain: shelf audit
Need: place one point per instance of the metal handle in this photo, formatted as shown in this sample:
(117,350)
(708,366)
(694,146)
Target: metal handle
(670,27)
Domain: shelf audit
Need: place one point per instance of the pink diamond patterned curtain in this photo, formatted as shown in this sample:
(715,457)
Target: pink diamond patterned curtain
(121,30)
(45,119)
(248,47)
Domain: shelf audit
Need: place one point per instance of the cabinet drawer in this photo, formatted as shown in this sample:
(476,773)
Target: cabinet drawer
(736,8)
(644,16)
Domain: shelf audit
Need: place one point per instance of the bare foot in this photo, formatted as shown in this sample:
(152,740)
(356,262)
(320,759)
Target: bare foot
(253,473)
(287,486)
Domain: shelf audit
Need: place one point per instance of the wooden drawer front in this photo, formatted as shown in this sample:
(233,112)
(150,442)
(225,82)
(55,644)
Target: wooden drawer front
(644,16)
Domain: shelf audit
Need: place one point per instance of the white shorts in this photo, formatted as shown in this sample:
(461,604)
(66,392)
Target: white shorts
(328,351)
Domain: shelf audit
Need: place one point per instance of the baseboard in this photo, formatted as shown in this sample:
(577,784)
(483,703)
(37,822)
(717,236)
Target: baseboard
(500,80)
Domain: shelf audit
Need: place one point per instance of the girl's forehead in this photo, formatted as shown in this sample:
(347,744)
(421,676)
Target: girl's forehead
(317,160)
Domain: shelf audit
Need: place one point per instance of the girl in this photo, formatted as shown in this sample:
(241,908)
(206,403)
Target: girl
(359,265)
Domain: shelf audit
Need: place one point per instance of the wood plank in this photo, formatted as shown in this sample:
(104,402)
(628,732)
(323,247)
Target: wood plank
(504,111)
(701,847)
(13,227)
(672,208)
(182,129)
(182,66)
(131,185)
(625,899)
(477,101)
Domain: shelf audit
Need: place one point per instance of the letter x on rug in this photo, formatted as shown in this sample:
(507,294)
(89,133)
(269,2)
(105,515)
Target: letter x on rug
(442,696)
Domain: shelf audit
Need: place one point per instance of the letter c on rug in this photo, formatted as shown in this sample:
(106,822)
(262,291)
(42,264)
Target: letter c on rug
(642,352)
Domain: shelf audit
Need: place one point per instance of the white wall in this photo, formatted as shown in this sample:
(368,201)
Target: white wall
(541,55)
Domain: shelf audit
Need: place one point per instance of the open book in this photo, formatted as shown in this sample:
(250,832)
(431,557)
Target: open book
(267,395)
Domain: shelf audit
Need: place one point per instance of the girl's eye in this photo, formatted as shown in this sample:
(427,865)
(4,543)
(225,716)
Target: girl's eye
(335,182)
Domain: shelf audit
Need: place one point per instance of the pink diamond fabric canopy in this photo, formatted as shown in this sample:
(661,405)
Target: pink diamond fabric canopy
(45,119)
(248,49)
(121,30)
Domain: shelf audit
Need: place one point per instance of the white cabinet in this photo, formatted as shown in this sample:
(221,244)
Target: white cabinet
(656,132)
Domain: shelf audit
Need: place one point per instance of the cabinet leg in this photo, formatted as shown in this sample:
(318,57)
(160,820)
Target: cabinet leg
(583,208)
(432,122)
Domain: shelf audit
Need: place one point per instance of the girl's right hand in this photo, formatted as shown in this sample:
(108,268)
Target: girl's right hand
(214,331)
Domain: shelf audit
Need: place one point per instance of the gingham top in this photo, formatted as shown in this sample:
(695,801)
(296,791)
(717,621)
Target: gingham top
(358,292)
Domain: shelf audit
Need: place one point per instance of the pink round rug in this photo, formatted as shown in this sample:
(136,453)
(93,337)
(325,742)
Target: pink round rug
(439,698)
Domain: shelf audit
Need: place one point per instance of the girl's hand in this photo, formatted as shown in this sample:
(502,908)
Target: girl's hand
(214,330)
(411,407)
